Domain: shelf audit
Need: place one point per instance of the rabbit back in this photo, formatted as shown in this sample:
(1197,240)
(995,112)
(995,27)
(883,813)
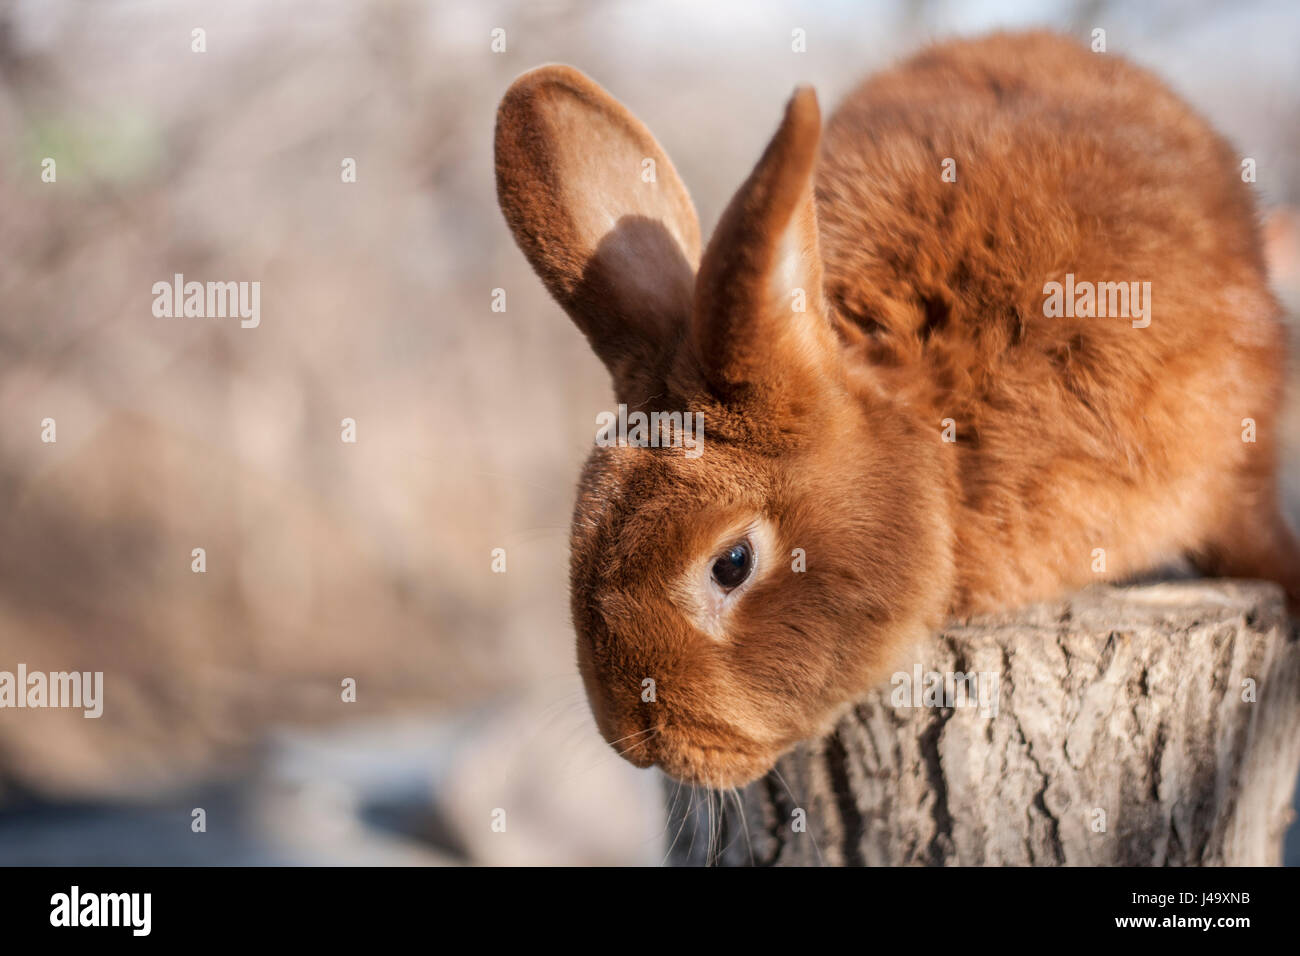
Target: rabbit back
(951,193)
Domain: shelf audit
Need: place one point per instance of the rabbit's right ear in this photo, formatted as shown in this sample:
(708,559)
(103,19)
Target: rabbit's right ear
(601,214)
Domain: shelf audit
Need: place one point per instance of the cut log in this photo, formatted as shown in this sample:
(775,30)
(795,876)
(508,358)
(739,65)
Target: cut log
(1140,726)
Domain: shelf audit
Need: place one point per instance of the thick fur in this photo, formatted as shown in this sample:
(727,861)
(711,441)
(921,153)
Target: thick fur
(924,303)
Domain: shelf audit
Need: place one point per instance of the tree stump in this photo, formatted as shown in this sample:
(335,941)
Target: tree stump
(1152,726)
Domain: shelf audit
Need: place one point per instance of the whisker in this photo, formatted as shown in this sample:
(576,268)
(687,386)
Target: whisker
(548,721)
(744,825)
(612,753)
(672,806)
(568,727)
(725,823)
(685,816)
(820,861)
(713,843)
(695,825)
(624,753)
(634,734)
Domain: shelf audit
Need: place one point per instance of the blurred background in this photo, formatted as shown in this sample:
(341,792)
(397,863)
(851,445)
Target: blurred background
(372,560)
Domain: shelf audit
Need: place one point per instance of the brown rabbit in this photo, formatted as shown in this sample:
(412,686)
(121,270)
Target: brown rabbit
(950,425)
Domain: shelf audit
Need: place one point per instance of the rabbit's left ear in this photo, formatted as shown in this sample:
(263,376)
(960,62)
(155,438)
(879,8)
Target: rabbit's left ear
(760,324)
(598,209)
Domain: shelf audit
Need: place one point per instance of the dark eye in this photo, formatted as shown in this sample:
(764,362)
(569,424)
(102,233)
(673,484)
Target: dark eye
(734,566)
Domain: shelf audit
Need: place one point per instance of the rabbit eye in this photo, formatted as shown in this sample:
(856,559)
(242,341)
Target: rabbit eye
(734,566)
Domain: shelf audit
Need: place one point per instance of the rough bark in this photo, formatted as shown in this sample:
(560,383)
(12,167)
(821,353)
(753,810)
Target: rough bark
(1124,734)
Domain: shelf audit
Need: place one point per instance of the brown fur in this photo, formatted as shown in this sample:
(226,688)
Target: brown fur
(924,303)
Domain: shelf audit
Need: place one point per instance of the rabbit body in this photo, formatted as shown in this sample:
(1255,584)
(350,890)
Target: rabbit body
(1087,447)
(911,410)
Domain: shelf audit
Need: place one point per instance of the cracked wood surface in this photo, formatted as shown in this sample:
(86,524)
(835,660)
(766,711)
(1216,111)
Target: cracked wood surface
(1123,734)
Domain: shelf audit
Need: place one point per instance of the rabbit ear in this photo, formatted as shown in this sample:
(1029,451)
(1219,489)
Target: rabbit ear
(759,318)
(601,214)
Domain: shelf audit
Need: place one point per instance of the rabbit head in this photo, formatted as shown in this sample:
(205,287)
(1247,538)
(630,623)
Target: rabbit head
(729,601)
